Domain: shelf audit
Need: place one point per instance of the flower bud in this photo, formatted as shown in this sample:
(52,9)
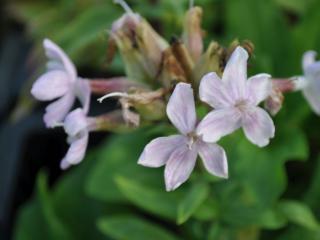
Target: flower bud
(192,32)
(140,46)
(171,70)
(274,102)
(183,56)
(210,61)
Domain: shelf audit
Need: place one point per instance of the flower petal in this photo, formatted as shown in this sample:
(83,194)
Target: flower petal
(50,85)
(219,123)
(57,111)
(312,94)
(181,110)
(83,92)
(158,151)
(308,59)
(259,88)
(76,151)
(214,159)
(213,92)
(179,167)
(258,126)
(55,53)
(235,73)
(75,122)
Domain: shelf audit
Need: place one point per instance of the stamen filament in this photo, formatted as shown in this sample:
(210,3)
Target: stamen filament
(114,94)
(124,5)
(191,4)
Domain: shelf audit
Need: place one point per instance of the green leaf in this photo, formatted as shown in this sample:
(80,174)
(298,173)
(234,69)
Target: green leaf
(114,160)
(118,157)
(56,227)
(272,219)
(191,202)
(38,220)
(262,23)
(298,233)
(297,6)
(74,207)
(132,228)
(312,195)
(299,213)
(154,200)
(257,175)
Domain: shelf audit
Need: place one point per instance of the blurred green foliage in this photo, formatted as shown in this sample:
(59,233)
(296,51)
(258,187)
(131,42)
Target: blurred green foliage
(109,196)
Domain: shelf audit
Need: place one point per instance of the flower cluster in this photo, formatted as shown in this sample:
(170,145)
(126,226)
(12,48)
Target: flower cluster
(160,82)
(234,99)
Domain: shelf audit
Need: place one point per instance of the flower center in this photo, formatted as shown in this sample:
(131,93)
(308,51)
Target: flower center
(242,105)
(192,138)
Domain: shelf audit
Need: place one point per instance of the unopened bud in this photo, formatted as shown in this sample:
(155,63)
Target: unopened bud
(192,32)
(210,61)
(171,70)
(182,55)
(140,46)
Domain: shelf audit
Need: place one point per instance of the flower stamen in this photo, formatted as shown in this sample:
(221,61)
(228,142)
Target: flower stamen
(124,5)
(192,139)
(114,94)
(242,105)
(191,4)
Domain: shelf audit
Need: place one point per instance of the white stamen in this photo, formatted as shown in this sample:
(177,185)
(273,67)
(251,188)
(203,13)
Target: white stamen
(124,5)
(58,124)
(191,4)
(114,94)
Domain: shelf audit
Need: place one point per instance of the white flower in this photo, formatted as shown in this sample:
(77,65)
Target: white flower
(60,81)
(235,101)
(310,83)
(77,126)
(179,152)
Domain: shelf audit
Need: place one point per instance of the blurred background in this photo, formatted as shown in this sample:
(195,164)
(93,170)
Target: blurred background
(273,193)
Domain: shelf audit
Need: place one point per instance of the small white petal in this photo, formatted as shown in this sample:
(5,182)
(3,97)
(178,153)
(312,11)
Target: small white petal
(308,59)
(219,123)
(55,65)
(76,151)
(55,53)
(64,164)
(181,109)
(83,92)
(75,122)
(312,94)
(214,159)
(213,92)
(235,73)
(51,85)
(57,111)
(259,88)
(158,151)
(179,167)
(258,126)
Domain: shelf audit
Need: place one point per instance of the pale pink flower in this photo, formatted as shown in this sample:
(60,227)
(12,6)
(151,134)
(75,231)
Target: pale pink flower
(310,82)
(77,125)
(179,152)
(235,101)
(60,81)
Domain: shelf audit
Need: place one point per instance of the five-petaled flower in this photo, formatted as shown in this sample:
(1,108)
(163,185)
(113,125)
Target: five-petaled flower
(179,152)
(77,125)
(235,101)
(310,83)
(60,81)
